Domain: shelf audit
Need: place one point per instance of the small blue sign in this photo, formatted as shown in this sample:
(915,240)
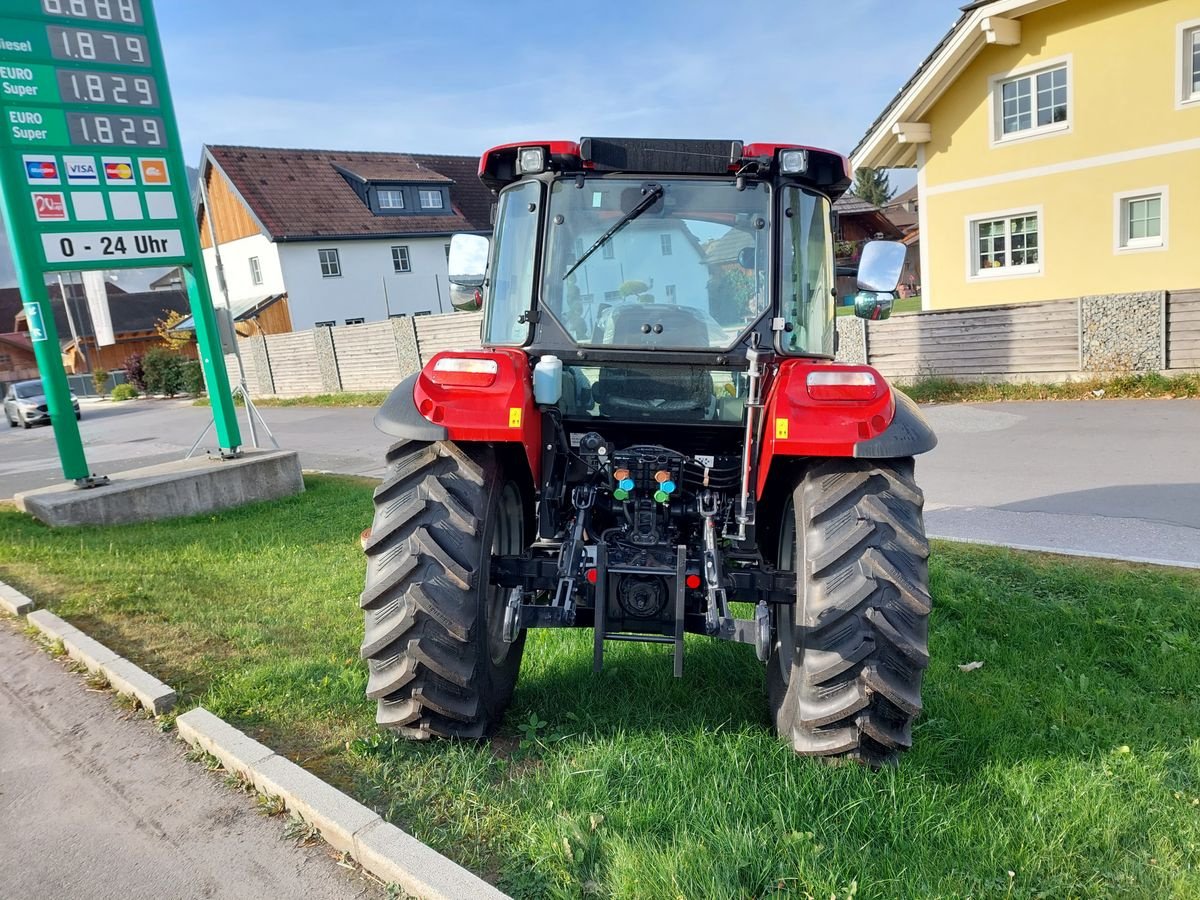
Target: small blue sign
(33,316)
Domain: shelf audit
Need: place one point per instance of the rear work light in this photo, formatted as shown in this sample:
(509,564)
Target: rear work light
(793,162)
(464,371)
(531,160)
(839,385)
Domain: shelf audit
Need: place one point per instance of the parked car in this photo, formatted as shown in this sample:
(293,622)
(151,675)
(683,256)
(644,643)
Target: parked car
(25,404)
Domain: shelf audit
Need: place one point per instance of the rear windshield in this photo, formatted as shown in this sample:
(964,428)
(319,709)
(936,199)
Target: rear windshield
(658,392)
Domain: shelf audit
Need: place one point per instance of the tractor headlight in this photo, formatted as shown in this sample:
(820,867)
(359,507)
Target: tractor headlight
(531,160)
(793,162)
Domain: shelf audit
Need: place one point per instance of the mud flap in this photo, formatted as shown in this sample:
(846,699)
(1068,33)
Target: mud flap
(908,435)
(400,418)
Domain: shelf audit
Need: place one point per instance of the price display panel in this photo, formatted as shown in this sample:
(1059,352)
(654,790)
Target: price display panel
(88,148)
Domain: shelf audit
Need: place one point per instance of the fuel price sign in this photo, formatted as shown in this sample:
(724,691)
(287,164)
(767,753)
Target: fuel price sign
(92,176)
(90,155)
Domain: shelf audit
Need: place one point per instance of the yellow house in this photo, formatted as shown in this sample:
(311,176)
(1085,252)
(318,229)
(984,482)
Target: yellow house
(1057,148)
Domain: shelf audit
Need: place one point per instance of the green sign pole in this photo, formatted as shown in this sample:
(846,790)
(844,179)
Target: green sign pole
(92,176)
(44,334)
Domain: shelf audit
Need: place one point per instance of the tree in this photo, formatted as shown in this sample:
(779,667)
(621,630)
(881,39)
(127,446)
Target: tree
(872,185)
(173,340)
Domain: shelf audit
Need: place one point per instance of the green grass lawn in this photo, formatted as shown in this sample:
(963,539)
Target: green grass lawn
(1067,766)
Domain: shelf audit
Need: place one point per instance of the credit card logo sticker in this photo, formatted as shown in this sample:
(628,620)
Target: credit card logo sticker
(154,171)
(40,169)
(81,170)
(118,170)
(49,207)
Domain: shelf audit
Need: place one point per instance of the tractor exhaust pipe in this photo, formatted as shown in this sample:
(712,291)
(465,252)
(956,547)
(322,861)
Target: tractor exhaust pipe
(754,405)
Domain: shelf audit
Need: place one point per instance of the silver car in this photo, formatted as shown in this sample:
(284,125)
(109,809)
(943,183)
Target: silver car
(25,404)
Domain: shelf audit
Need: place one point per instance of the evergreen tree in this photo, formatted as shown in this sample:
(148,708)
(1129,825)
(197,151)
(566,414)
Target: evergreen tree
(872,185)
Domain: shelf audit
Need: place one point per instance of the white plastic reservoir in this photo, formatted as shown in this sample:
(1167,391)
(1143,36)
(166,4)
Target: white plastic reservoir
(547,380)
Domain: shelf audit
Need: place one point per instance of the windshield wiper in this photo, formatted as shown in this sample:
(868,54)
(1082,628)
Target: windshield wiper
(644,204)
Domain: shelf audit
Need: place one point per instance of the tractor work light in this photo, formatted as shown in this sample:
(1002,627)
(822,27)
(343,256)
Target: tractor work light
(464,371)
(840,385)
(793,162)
(531,160)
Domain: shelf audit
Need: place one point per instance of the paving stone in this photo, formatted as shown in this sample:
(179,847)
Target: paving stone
(52,626)
(126,678)
(13,601)
(397,857)
(334,814)
(236,751)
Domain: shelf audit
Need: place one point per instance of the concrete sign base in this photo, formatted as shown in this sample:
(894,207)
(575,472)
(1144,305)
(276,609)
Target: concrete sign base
(184,488)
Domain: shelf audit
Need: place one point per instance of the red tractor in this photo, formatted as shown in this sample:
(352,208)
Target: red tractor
(655,431)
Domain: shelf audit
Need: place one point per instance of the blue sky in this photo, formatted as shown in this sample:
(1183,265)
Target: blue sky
(457,77)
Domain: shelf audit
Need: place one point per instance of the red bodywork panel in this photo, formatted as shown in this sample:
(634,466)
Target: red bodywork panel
(797,425)
(501,411)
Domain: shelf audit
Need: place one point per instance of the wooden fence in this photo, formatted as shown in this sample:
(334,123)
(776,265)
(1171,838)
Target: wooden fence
(1183,330)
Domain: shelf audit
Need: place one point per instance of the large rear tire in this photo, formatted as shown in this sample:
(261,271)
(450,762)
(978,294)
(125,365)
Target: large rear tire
(844,678)
(437,663)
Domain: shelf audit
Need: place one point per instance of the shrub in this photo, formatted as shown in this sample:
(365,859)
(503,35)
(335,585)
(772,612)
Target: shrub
(99,380)
(135,371)
(193,377)
(164,372)
(124,392)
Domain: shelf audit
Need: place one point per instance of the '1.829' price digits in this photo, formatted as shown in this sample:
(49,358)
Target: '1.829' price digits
(121,131)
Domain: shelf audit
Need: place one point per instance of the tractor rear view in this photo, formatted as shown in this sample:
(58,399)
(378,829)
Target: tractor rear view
(655,431)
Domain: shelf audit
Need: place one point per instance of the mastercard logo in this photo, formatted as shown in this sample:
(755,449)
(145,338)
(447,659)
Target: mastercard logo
(118,172)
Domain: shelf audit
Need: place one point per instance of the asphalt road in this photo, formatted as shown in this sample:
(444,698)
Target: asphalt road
(96,805)
(1105,477)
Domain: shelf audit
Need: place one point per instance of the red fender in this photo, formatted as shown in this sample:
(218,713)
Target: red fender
(483,406)
(828,424)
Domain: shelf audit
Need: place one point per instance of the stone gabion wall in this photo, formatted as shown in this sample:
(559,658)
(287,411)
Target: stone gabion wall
(852,340)
(1122,332)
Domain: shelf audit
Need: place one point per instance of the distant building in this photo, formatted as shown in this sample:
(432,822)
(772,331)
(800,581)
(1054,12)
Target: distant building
(1057,146)
(338,237)
(17,362)
(134,320)
(857,222)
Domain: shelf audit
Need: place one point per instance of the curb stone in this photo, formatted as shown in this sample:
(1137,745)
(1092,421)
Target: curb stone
(124,676)
(13,601)
(382,849)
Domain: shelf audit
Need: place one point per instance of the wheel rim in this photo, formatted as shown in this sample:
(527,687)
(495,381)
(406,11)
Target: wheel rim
(785,632)
(508,537)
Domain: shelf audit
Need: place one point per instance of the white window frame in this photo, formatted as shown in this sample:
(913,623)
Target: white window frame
(396,264)
(430,195)
(1122,243)
(255,270)
(1185,34)
(664,243)
(976,275)
(356,321)
(379,192)
(336,263)
(996,104)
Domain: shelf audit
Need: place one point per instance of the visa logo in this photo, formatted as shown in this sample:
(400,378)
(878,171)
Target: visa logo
(81,170)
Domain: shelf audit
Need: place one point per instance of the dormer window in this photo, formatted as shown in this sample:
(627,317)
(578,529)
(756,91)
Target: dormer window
(431,199)
(391,199)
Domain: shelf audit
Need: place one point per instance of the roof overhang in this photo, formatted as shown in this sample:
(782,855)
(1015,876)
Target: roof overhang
(893,139)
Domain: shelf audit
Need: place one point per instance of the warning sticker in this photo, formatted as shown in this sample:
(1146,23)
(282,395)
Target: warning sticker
(514,417)
(781,429)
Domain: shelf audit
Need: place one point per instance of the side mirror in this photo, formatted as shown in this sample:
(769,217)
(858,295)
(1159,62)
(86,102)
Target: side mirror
(466,299)
(468,259)
(880,266)
(873,306)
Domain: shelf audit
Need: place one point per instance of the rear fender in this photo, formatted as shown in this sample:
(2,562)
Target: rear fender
(430,406)
(885,426)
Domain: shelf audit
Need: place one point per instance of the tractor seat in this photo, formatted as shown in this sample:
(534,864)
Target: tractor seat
(669,393)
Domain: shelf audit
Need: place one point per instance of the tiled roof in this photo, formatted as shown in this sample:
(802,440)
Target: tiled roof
(902,218)
(129,312)
(301,194)
(850,205)
(10,301)
(17,339)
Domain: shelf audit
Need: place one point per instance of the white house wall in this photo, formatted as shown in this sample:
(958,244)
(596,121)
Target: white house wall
(369,287)
(235,258)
